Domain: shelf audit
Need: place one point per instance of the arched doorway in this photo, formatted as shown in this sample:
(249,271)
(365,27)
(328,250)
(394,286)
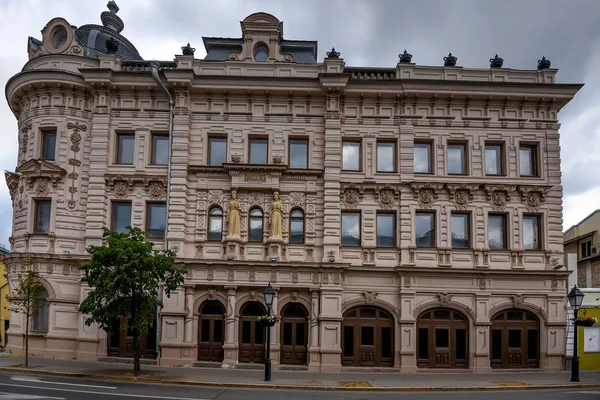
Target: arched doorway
(120,341)
(368,338)
(211,332)
(252,333)
(442,339)
(515,340)
(294,333)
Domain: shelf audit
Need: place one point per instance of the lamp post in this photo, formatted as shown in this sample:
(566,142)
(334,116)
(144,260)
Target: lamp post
(575,297)
(269,293)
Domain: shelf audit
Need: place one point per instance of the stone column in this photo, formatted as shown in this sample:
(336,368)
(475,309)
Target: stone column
(275,345)
(314,359)
(481,328)
(331,329)
(231,343)
(189,314)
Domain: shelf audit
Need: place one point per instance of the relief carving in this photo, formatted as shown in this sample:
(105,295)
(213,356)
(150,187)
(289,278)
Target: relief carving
(445,299)
(121,189)
(41,187)
(156,190)
(214,196)
(533,196)
(370,296)
(387,198)
(296,199)
(351,196)
(461,194)
(426,193)
(517,300)
(499,195)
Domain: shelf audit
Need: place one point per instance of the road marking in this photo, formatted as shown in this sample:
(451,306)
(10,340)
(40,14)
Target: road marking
(587,392)
(38,380)
(143,396)
(19,396)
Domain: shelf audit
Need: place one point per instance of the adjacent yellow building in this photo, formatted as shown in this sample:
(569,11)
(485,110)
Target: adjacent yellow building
(4,291)
(583,239)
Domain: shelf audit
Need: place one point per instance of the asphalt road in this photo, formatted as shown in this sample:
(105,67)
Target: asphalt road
(24,387)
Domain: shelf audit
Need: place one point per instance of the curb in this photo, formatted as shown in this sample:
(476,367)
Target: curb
(300,387)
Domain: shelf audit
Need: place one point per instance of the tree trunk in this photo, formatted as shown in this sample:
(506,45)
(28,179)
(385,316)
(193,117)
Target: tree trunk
(136,353)
(27,341)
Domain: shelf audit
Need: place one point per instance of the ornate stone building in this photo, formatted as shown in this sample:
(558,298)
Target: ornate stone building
(408,217)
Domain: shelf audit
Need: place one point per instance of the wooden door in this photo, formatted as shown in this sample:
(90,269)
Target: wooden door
(367,339)
(441,344)
(252,334)
(294,334)
(514,340)
(120,341)
(442,339)
(211,331)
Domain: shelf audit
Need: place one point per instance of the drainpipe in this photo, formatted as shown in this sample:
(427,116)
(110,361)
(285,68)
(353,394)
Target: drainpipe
(155,68)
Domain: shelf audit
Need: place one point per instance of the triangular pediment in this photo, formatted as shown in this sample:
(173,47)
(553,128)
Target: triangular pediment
(38,167)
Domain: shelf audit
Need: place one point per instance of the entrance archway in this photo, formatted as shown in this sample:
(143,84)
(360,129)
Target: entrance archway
(252,333)
(294,334)
(211,333)
(120,342)
(442,339)
(515,340)
(368,338)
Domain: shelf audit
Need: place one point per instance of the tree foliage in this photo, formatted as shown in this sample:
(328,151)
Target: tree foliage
(26,300)
(124,276)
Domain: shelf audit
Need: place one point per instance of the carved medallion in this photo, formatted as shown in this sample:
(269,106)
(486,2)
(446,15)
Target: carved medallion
(296,199)
(517,300)
(236,158)
(121,189)
(41,187)
(214,196)
(156,190)
(351,197)
(445,299)
(277,160)
(386,198)
(370,296)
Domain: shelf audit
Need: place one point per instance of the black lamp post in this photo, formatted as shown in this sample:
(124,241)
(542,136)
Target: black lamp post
(269,294)
(575,297)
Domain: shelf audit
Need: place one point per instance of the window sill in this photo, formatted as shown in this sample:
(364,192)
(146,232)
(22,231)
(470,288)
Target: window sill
(38,334)
(386,172)
(423,173)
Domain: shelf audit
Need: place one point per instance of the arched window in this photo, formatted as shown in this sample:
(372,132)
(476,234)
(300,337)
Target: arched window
(256,225)
(40,315)
(215,224)
(296,226)
(261,53)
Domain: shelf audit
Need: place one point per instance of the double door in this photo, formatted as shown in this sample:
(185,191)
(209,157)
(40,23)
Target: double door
(120,341)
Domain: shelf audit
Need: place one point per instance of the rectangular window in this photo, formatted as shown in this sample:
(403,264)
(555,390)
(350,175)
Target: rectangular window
(386,156)
(217,151)
(425,227)
(121,216)
(351,157)
(493,159)
(531,232)
(160,149)
(156,219)
(423,161)
(386,229)
(350,228)
(298,153)
(497,231)
(460,230)
(49,145)
(125,148)
(528,160)
(586,249)
(43,209)
(258,151)
(457,159)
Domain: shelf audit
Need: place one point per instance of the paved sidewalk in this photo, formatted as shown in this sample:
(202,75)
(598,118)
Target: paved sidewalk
(302,379)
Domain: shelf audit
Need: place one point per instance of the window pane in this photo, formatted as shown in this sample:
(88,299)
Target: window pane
(348,341)
(125,149)
(368,313)
(456,159)
(298,153)
(514,338)
(496,344)
(256,226)
(160,148)
(531,234)
(300,329)
(441,337)
(261,54)
(422,158)
(386,157)
(386,342)
(297,230)
(514,316)
(351,156)
(461,344)
(460,230)
(205,330)
(287,334)
(121,217)
(425,230)
(385,229)
(350,229)
(156,220)
(49,146)
(258,151)
(423,343)
(532,344)
(42,218)
(443,315)
(218,151)
(259,333)
(526,161)
(367,335)
(496,234)
(246,331)
(493,160)
(218,331)
(215,224)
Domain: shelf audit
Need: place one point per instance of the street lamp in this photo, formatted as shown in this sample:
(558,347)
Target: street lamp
(269,294)
(575,297)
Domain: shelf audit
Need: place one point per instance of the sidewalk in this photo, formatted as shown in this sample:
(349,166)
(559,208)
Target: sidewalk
(378,381)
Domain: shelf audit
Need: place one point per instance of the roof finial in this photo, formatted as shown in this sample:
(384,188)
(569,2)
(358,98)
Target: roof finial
(333,54)
(110,19)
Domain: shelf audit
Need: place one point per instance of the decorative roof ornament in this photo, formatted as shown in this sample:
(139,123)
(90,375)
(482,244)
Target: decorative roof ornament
(405,57)
(450,60)
(110,19)
(543,63)
(333,54)
(188,50)
(112,45)
(496,62)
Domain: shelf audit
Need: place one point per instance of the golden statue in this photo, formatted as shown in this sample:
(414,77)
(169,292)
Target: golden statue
(233,216)
(276,216)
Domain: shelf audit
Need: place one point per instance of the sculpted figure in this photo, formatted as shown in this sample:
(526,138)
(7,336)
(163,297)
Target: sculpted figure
(233,217)
(276,216)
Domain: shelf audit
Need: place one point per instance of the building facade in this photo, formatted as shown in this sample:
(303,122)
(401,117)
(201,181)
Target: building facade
(583,239)
(408,217)
(4,304)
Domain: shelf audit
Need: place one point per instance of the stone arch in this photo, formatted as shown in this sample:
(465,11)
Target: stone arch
(506,305)
(261,17)
(201,298)
(245,298)
(384,305)
(286,299)
(50,288)
(453,305)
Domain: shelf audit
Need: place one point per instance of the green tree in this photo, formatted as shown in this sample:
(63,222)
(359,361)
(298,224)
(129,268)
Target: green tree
(26,300)
(124,276)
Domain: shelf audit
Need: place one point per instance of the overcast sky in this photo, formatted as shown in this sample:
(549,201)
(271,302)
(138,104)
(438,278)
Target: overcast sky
(367,33)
